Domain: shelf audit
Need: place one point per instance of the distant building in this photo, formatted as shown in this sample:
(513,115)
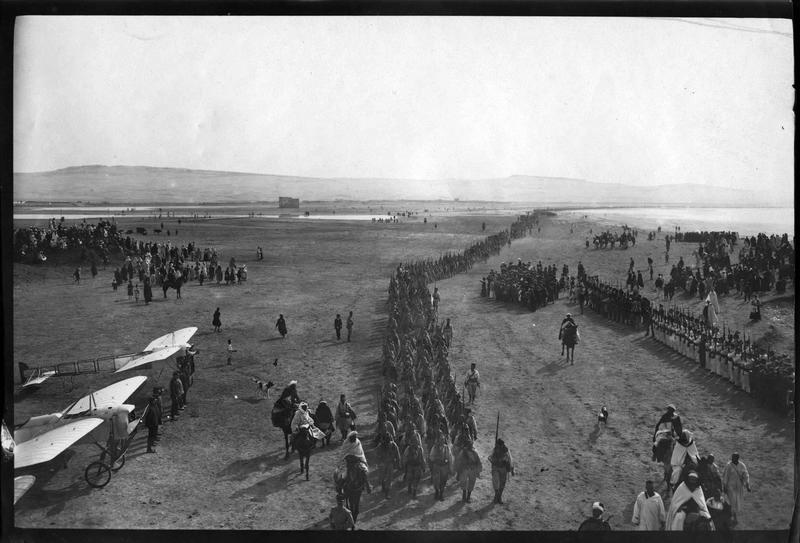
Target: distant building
(283,201)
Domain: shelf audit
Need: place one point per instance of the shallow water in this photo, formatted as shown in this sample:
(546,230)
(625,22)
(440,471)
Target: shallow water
(745,220)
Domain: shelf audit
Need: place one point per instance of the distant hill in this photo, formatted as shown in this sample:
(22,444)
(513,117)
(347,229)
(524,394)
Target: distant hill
(141,184)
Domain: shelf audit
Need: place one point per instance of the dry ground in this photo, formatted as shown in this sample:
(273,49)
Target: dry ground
(221,465)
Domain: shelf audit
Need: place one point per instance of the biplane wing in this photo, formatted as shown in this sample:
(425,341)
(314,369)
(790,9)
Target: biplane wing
(37,378)
(112,395)
(178,338)
(48,445)
(22,484)
(154,356)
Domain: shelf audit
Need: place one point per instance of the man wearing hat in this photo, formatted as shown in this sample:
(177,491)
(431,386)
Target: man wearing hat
(567,320)
(688,497)
(735,479)
(289,396)
(303,418)
(345,416)
(472,382)
(648,511)
(502,467)
(671,421)
(595,522)
(340,516)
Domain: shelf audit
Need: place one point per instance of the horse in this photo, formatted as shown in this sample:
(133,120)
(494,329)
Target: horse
(281,417)
(662,452)
(569,338)
(175,283)
(352,484)
(303,443)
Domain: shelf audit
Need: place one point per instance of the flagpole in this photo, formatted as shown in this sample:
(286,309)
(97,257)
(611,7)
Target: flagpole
(497,428)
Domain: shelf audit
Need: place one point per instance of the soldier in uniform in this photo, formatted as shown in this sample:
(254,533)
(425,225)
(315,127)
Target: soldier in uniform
(388,460)
(502,467)
(151,422)
(467,467)
(281,325)
(472,382)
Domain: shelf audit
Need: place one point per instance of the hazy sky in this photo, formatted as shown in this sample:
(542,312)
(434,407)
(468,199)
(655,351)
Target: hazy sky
(640,101)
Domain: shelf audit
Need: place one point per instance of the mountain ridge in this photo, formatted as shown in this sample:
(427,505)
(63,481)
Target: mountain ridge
(134,184)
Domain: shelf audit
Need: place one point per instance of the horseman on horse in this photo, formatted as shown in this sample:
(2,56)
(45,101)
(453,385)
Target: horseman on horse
(351,478)
(283,411)
(568,334)
(302,418)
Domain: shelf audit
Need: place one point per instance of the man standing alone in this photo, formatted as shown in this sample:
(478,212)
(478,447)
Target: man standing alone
(472,382)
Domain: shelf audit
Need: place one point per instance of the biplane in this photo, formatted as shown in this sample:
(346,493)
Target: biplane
(41,439)
(159,349)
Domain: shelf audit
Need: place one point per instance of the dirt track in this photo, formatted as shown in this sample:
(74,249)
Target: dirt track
(221,465)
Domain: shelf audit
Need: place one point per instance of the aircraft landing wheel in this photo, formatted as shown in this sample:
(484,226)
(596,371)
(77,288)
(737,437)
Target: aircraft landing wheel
(118,464)
(97,474)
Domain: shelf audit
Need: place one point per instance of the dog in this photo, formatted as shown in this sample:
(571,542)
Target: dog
(262,387)
(603,416)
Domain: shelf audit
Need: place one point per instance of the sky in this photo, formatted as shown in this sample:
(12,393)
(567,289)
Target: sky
(614,100)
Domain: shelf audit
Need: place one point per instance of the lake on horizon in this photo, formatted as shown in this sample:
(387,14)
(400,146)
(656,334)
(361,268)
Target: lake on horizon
(744,220)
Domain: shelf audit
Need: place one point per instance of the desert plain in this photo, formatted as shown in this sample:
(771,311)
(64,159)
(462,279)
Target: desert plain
(221,464)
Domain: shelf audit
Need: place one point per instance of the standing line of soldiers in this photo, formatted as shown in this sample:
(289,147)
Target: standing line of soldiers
(759,371)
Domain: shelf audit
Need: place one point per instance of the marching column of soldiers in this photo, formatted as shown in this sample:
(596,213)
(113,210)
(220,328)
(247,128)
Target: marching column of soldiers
(759,371)
(422,420)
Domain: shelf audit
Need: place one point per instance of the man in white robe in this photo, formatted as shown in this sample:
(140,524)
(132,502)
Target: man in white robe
(352,447)
(303,418)
(683,446)
(735,479)
(689,490)
(713,308)
(648,511)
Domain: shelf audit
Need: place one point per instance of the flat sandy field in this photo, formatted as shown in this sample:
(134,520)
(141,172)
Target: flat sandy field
(221,466)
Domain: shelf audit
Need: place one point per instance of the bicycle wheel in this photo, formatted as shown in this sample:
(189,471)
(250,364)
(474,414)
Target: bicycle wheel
(118,463)
(97,474)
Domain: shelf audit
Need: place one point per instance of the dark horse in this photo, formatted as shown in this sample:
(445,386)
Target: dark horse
(569,337)
(281,417)
(352,484)
(175,283)
(304,442)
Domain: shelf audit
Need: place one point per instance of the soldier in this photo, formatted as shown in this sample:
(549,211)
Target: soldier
(472,382)
(337,325)
(467,467)
(388,460)
(447,333)
(469,420)
(349,325)
(502,467)
(345,416)
(340,516)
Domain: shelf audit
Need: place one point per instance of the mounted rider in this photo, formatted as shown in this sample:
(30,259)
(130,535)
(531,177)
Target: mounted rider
(671,422)
(289,397)
(302,419)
